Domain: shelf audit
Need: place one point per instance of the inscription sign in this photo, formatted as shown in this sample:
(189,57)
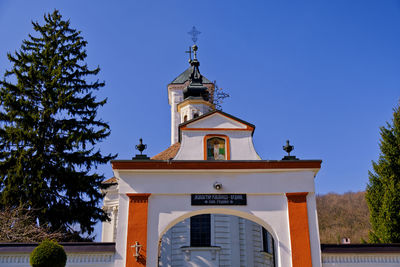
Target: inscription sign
(218,199)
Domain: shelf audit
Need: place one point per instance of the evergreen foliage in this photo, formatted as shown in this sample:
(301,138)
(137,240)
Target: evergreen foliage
(49,129)
(48,254)
(383,190)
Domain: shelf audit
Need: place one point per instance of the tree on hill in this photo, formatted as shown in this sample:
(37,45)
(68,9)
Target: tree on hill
(49,130)
(383,190)
(343,216)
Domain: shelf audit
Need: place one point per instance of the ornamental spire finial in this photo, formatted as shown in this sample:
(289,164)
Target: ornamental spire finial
(195,48)
(141,147)
(288,148)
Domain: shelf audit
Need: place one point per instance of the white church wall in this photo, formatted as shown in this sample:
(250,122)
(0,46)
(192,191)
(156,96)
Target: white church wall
(232,244)
(179,238)
(191,109)
(73,260)
(224,234)
(240,145)
(259,258)
(172,241)
(276,217)
(201,181)
(107,232)
(110,205)
(175,96)
(313,228)
(217,120)
(361,260)
(168,205)
(120,246)
(246,242)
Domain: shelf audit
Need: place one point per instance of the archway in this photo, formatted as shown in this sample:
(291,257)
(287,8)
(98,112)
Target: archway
(217,237)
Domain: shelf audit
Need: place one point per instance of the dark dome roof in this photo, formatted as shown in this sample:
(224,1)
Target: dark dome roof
(185,76)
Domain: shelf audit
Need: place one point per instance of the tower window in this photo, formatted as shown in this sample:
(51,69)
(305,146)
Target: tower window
(195,115)
(200,230)
(216,149)
(268,241)
(185,118)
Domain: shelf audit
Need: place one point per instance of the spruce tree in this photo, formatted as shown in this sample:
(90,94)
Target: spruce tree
(383,190)
(49,130)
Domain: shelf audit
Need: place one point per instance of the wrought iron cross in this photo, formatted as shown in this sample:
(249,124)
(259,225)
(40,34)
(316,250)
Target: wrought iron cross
(137,250)
(190,53)
(194,32)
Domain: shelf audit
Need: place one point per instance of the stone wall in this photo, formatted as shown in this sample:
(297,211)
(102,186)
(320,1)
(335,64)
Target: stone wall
(78,254)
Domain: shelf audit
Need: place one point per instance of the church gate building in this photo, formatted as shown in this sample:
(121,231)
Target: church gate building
(210,200)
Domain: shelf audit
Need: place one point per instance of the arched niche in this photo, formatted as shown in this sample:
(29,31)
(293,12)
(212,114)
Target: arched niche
(251,221)
(225,211)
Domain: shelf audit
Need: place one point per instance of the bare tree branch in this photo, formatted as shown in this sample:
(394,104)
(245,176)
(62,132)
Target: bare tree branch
(19,225)
(217,96)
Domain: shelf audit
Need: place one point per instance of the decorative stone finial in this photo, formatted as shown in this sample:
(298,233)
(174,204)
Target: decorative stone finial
(288,148)
(195,48)
(141,147)
(195,88)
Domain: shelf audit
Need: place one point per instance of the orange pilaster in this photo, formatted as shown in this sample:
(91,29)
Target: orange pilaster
(137,229)
(299,231)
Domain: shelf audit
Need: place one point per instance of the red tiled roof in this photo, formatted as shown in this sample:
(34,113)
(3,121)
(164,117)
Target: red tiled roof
(112,180)
(169,153)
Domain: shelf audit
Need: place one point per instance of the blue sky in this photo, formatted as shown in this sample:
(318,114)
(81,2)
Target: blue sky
(324,74)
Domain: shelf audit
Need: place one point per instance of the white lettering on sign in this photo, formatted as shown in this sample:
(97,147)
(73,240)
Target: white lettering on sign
(219,199)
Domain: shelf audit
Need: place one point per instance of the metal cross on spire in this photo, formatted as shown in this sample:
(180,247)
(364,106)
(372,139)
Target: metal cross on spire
(194,32)
(190,54)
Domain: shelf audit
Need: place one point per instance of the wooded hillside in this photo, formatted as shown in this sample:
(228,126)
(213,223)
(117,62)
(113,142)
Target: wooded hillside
(342,216)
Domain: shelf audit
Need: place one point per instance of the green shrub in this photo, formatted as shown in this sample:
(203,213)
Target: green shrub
(48,254)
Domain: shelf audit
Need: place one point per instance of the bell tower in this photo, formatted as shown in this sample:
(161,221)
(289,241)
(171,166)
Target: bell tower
(189,95)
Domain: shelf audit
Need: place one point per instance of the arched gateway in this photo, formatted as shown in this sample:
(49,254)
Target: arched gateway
(210,168)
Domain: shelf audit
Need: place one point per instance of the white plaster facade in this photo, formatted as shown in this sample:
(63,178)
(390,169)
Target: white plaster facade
(190,109)
(235,241)
(109,228)
(171,191)
(361,260)
(73,260)
(239,137)
(175,96)
(78,254)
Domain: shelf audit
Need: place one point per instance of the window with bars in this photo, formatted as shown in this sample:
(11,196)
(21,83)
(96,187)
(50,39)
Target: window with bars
(200,230)
(268,241)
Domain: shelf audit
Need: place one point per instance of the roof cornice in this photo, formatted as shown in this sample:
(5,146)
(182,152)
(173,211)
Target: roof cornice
(215,165)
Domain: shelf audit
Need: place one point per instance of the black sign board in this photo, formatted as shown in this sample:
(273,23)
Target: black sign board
(218,199)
